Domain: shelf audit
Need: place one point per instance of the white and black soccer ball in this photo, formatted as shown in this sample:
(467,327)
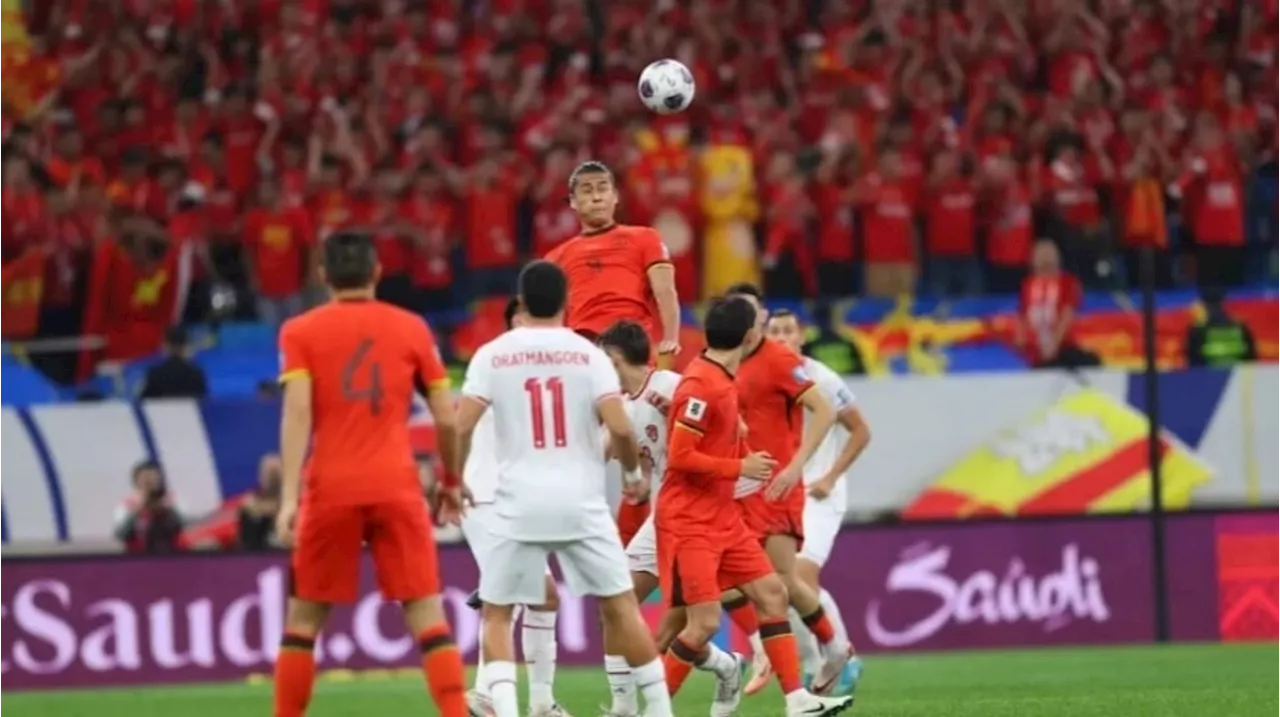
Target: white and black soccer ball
(666,87)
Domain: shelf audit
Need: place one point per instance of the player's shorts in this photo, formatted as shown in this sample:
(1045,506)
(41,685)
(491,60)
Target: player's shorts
(766,518)
(821,522)
(642,549)
(477,528)
(630,518)
(325,565)
(595,566)
(696,568)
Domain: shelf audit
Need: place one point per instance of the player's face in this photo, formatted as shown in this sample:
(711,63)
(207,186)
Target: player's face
(786,331)
(595,199)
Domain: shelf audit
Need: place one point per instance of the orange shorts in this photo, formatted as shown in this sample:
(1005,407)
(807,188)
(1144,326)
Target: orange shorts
(630,518)
(765,517)
(696,568)
(328,542)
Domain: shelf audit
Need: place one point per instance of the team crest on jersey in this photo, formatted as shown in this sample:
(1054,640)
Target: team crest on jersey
(695,409)
(651,432)
(800,375)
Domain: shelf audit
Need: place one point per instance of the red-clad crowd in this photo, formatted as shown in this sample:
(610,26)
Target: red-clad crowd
(171,155)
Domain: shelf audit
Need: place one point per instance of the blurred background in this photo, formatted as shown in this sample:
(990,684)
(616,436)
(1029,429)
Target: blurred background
(962,200)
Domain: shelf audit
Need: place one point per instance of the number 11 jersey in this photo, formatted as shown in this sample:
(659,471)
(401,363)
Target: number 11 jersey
(364,359)
(543,385)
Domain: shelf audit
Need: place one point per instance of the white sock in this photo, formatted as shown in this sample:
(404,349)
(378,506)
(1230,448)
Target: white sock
(621,685)
(810,652)
(478,682)
(757,646)
(832,610)
(500,681)
(718,662)
(538,640)
(651,680)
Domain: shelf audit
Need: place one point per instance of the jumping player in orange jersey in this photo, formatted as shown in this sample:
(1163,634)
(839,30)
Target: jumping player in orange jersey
(349,371)
(704,548)
(776,389)
(617,272)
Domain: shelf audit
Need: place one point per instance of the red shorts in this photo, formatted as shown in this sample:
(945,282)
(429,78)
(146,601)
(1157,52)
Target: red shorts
(764,517)
(630,518)
(696,568)
(328,542)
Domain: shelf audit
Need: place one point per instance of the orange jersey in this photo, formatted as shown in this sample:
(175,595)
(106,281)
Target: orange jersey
(706,404)
(770,382)
(364,359)
(608,275)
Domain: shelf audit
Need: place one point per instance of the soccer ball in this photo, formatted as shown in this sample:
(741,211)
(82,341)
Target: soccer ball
(666,87)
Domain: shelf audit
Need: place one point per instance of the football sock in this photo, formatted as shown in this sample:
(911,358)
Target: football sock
(716,661)
(442,666)
(743,614)
(622,685)
(500,680)
(819,625)
(678,662)
(810,653)
(780,645)
(757,645)
(651,680)
(295,674)
(478,684)
(833,614)
(538,639)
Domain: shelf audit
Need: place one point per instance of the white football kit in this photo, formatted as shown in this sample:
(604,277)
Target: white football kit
(648,411)
(823,518)
(542,386)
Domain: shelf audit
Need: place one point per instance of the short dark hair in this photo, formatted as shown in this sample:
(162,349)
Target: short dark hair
(783,314)
(745,288)
(591,166)
(509,313)
(543,289)
(629,339)
(350,260)
(727,322)
(176,337)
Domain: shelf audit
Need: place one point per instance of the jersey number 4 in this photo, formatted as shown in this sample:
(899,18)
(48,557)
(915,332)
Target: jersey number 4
(553,388)
(362,379)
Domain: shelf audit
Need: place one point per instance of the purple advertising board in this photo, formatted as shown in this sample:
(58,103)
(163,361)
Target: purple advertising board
(120,621)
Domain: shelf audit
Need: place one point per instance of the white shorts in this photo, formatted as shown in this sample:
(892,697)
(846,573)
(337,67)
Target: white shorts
(822,520)
(477,528)
(515,570)
(642,551)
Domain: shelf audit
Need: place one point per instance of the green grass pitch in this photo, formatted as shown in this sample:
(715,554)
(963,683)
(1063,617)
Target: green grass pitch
(1173,681)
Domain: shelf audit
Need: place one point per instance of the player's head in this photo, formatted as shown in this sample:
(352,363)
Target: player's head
(784,327)
(627,345)
(593,195)
(752,294)
(513,314)
(729,323)
(543,289)
(350,262)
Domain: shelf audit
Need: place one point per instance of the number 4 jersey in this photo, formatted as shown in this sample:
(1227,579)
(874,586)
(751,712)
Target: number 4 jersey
(543,386)
(363,359)
(648,409)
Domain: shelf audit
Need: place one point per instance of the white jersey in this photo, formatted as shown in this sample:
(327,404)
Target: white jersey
(542,386)
(481,470)
(833,388)
(648,411)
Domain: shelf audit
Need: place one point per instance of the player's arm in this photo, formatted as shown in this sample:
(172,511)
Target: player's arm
(613,414)
(295,415)
(820,420)
(685,449)
(440,402)
(847,415)
(662,282)
(476,396)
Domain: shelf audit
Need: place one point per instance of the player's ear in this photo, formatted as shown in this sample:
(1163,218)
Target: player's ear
(324,278)
(377,272)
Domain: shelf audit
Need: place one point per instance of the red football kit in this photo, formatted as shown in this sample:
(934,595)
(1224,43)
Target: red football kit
(770,382)
(704,548)
(364,358)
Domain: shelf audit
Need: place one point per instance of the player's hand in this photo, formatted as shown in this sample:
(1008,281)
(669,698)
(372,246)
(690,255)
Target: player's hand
(636,492)
(668,347)
(821,488)
(783,482)
(284,524)
(453,504)
(758,466)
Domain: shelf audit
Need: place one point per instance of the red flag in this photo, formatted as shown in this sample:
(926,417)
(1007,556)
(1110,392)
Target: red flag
(22,288)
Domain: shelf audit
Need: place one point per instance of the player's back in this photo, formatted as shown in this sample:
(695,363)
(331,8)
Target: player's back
(649,409)
(543,385)
(364,359)
(608,276)
(706,403)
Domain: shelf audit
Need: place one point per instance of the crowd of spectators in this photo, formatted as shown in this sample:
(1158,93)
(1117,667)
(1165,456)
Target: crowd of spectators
(893,144)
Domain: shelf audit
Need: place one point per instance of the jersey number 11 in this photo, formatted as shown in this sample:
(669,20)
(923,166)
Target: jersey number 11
(553,388)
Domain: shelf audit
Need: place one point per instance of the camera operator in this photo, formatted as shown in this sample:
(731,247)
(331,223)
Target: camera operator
(148,521)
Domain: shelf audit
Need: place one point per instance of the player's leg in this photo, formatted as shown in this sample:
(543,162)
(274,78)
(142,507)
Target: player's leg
(742,612)
(538,641)
(476,528)
(782,549)
(403,547)
(597,566)
(821,526)
(515,575)
(642,560)
(324,569)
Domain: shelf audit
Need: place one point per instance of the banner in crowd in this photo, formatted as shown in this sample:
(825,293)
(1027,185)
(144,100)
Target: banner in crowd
(21,290)
(145,620)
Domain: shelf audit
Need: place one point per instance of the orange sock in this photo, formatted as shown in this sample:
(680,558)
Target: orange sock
(820,625)
(743,614)
(678,662)
(442,665)
(295,674)
(784,656)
